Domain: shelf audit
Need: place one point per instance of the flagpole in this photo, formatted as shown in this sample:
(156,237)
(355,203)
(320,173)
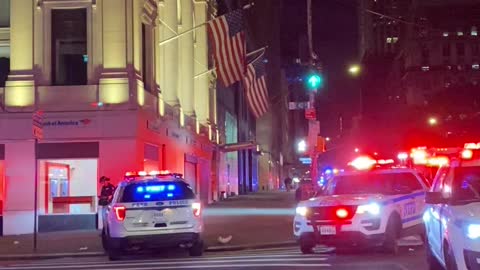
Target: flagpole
(196,27)
(248,54)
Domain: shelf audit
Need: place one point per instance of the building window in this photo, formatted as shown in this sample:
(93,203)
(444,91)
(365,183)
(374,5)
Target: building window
(4,13)
(445,34)
(425,55)
(147,57)
(474,31)
(446,50)
(389,40)
(4,70)
(475,50)
(69,186)
(459,33)
(69,47)
(460,49)
(475,66)
(425,68)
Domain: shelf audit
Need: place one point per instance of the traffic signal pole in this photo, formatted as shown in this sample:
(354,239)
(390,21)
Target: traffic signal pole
(312,58)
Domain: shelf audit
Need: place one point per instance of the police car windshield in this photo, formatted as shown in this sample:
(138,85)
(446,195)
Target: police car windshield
(156,191)
(370,183)
(466,184)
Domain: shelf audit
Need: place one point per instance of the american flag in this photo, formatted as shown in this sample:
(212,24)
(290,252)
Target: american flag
(256,87)
(229,49)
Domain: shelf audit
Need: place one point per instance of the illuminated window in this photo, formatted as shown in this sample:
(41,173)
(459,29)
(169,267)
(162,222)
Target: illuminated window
(459,33)
(425,68)
(389,40)
(474,31)
(395,39)
(445,34)
(476,66)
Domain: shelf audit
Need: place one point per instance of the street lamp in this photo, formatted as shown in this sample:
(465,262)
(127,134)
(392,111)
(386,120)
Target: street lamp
(354,70)
(432,121)
(327,139)
(302,146)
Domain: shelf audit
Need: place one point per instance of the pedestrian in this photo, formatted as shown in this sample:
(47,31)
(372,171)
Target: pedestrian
(288,183)
(106,196)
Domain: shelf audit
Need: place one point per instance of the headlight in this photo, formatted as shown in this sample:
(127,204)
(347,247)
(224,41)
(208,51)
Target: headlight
(473,231)
(372,208)
(302,211)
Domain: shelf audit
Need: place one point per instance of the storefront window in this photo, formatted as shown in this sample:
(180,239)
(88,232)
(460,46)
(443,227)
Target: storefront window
(68,186)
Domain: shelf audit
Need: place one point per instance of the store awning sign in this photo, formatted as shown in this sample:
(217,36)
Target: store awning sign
(67,123)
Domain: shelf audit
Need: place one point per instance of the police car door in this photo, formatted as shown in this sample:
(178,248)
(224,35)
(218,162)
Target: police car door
(411,204)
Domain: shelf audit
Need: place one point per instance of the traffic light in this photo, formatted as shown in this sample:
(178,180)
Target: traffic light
(314,81)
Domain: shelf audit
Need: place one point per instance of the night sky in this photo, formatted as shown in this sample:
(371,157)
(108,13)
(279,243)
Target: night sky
(335,34)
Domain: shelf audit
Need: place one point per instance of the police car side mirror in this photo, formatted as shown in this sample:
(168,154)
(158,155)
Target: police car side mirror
(435,198)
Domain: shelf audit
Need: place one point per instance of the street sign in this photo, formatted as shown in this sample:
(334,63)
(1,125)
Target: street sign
(310,114)
(299,105)
(37,125)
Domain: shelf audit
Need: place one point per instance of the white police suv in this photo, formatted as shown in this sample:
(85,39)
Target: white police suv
(452,215)
(363,208)
(152,211)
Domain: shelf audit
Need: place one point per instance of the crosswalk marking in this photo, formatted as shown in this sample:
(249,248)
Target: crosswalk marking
(278,257)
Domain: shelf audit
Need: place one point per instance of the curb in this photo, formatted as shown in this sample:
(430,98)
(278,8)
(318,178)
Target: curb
(251,246)
(39,256)
(34,256)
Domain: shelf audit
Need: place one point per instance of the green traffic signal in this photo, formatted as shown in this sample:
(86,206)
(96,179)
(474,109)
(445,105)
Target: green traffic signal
(314,81)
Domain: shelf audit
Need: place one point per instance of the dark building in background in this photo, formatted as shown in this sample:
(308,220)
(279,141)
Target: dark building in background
(263,169)
(421,60)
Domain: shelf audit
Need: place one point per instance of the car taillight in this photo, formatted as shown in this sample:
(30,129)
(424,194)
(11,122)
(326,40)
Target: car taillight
(120,212)
(197,209)
(341,213)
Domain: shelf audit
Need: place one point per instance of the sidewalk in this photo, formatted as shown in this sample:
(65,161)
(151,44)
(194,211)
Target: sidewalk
(252,220)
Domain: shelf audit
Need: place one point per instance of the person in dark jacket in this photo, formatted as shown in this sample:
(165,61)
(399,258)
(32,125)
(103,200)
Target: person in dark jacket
(106,196)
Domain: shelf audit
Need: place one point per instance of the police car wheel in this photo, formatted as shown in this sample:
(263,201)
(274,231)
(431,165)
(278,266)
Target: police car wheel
(391,235)
(450,262)
(197,249)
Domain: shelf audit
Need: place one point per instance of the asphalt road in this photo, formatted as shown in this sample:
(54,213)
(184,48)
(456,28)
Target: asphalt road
(410,258)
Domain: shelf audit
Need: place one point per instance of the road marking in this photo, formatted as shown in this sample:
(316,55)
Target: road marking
(172,260)
(160,263)
(227,266)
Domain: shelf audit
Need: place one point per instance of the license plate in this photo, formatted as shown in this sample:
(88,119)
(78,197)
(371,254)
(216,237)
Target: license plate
(158,215)
(328,230)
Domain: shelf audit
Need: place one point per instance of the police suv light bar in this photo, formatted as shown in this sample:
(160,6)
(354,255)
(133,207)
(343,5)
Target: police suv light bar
(152,173)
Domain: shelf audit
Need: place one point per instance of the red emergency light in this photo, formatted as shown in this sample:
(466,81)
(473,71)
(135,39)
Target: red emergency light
(133,174)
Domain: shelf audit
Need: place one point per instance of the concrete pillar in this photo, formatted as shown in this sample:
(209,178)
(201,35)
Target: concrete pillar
(20,87)
(186,58)
(114,82)
(20,187)
(202,104)
(169,84)
(160,56)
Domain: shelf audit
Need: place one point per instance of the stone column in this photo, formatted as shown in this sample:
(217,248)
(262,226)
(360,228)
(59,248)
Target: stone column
(114,79)
(170,64)
(186,58)
(20,87)
(202,97)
